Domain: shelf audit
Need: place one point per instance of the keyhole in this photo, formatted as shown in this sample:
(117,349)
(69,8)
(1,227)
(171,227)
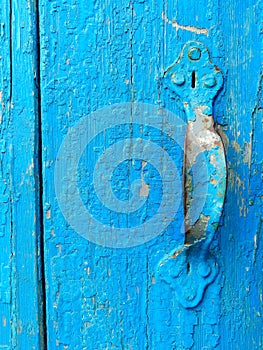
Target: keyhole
(193,79)
(188,267)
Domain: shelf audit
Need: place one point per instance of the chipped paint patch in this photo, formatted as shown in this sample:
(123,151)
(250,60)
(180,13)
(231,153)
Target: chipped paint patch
(145,188)
(188,28)
(30,168)
(48,214)
(236,146)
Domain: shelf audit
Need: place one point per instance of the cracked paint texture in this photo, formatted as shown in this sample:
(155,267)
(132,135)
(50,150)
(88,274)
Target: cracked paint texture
(92,54)
(135,42)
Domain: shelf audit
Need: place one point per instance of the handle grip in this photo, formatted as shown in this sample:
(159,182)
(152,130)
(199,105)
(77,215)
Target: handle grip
(192,268)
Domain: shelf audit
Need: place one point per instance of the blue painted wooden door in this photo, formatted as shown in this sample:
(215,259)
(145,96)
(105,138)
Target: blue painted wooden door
(91,177)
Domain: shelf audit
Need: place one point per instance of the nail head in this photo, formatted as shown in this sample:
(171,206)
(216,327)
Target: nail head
(209,81)
(204,269)
(178,78)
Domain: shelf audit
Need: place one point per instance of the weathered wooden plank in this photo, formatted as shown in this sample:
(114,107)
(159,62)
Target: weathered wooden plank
(75,82)
(170,325)
(241,237)
(105,287)
(5,265)
(21,299)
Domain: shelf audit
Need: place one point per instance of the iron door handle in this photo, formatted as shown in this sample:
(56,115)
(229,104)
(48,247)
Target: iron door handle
(196,81)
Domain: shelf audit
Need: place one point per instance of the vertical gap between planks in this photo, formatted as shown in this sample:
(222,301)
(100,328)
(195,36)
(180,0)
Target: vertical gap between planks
(40,186)
(10,50)
(12,277)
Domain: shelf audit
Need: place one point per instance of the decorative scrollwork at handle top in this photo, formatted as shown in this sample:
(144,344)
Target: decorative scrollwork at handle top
(192,268)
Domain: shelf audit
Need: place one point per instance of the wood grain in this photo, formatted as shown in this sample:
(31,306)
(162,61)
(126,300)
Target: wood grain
(21,325)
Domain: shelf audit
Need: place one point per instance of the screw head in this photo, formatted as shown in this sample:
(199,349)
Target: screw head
(204,269)
(178,78)
(209,80)
(194,54)
(190,294)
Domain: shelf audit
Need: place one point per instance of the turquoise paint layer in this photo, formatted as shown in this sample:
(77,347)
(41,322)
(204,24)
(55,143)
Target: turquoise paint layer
(135,42)
(5,232)
(241,235)
(108,289)
(20,281)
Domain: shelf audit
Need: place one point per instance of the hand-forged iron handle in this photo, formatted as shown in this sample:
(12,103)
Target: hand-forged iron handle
(192,268)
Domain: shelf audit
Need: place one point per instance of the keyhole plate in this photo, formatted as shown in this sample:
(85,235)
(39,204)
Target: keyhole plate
(195,78)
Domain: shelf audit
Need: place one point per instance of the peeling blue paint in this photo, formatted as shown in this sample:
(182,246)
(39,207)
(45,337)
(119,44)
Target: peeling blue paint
(94,54)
